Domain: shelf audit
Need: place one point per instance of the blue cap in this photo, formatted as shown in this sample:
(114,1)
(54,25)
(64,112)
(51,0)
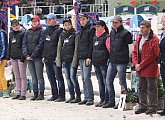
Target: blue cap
(82,15)
(51,16)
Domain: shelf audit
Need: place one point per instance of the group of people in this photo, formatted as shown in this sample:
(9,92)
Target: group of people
(58,47)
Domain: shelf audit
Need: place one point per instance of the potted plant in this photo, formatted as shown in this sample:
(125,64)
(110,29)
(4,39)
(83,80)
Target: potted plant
(160,94)
(131,99)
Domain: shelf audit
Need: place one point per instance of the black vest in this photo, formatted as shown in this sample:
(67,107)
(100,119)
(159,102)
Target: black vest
(100,53)
(119,51)
(52,34)
(68,46)
(15,44)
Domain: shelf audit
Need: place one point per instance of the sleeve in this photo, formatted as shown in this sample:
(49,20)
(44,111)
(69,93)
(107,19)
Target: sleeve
(135,53)
(9,48)
(75,59)
(128,38)
(91,35)
(25,45)
(107,43)
(151,55)
(58,57)
(3,48)
(22,37)
(39,48)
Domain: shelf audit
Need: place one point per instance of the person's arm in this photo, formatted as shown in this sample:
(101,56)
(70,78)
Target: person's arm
(9,48)
(25,45)
(128,38)
(3,40)
(107,43)
(58,57)
(135,53)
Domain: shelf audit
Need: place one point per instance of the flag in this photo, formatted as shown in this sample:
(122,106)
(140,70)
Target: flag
(133,2)
(154,2)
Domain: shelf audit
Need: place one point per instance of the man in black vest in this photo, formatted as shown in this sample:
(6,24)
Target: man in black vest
(52,34)
(119,58)
(84,52)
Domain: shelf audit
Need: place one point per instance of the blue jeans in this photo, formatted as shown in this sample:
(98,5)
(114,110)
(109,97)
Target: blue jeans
(51,70)
(113,69)
(61,84)
(36,70)
(86,78)
(101,72)
(72,81)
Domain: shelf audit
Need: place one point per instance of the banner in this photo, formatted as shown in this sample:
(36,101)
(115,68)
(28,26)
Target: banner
(146,9)
(124,9)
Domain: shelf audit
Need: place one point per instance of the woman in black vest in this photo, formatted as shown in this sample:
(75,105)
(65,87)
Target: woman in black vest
(15,56)
(66,53)
(32,48)
(100,57)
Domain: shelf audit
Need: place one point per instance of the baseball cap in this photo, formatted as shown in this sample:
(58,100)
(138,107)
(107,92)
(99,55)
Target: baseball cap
(67,20)
(14,22)
(80,15)
(35,17)
(100,22)
(51,16)
(117,19)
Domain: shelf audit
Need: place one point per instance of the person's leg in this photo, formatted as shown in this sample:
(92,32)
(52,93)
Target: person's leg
(121,69)
(16,72)
(39,72)
(61,84)
(111,73)
(104,74)
(142,95)
(66,67)
(88,83)
(162,73)
(3,79)
(73,73)
(100,83)
(49,64)
(152,95)
(22,70)
(32,70)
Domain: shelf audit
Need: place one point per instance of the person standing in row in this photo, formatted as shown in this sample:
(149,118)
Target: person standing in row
(162,61)
(84,51)
(118,58)
(145,58)
(32,48)
(100,56)
(18,61)
(3,61)
(66,56)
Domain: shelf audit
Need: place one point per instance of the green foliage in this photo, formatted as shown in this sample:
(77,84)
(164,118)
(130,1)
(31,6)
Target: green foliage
(132,96)
(160,88)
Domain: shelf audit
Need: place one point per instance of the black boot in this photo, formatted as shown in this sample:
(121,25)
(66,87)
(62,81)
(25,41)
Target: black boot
(72,97)
(162,113)
(16,97)
(35,96)
(77,99)
(41,96)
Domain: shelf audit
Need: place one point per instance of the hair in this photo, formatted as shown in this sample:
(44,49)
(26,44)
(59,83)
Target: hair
(146,23)
(106,29)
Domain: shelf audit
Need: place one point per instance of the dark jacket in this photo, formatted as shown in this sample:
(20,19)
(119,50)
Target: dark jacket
(52,34)
(119,40)
(100,53)
(33,43)
(85,42)
(149,56)
(15,45)
(162,50)
(3,44)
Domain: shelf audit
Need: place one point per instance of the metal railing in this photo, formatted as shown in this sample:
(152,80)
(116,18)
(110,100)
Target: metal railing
(62,10)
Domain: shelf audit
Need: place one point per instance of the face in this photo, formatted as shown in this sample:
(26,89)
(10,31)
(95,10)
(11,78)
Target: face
(99,27)
(51,22)
(116,24)
(67,26)
(35,22)
(163,22)
(83,21)
(16,27)
(144,30)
